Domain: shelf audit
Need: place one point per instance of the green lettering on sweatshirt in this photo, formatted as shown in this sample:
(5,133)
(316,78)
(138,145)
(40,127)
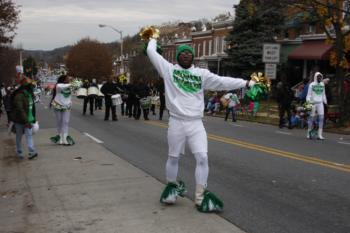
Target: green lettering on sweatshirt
(187,81)
(318,89)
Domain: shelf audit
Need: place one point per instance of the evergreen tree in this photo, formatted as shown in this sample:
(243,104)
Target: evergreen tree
(256,22)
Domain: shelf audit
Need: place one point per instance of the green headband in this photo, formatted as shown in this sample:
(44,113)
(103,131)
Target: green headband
(182,48)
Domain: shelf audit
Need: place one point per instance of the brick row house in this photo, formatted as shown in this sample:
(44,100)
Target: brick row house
(209,46)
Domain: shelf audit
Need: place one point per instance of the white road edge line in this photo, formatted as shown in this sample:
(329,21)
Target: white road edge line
(237,125)
(93,138)
(345,143)
(281,132)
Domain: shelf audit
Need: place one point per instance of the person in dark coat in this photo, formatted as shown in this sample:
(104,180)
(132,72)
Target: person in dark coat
(161,91)
(109,89)
(23,116)
(89,99)
(284,100)
(142,91)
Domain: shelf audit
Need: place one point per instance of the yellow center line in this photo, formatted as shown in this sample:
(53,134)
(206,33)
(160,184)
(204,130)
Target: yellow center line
(269,150)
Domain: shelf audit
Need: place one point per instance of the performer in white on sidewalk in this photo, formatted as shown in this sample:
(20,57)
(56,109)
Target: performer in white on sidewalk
(316,95)
(62,103)
(184,93)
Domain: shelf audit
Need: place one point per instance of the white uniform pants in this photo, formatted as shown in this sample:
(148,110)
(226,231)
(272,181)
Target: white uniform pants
(190,131)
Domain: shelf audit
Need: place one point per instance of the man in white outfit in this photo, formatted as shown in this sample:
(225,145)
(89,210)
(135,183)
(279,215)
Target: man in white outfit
(184,93)
(316,95)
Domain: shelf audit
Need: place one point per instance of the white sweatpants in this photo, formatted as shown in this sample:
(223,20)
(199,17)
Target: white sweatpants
(62,121)
(319,108)
(192,132)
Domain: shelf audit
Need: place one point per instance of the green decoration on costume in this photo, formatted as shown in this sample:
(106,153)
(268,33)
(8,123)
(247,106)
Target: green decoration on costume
(70,141)
(318,89)
(210,203)
(172,191)
(55,139)
(66,92)
(187,81)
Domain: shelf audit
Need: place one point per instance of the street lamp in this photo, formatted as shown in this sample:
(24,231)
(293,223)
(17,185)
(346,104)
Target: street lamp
(121,41)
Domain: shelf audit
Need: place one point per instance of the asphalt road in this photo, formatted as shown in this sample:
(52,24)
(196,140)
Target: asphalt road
(271,180)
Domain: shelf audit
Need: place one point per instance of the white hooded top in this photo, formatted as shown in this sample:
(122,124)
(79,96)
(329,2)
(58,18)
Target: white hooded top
(184,88)
(316,93)
(63,94)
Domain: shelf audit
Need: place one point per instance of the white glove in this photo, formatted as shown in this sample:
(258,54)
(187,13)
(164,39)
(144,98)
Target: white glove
(251,83)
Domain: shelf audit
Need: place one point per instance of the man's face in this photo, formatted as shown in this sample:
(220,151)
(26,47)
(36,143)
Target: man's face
(185,59)
(319,78)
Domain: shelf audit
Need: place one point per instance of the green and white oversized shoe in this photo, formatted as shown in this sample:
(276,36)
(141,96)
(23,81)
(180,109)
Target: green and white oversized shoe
(172,191)
(70,140)
(55,139)
(207,202)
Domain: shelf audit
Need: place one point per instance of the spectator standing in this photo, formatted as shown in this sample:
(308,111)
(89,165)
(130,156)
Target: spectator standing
(23,116)
(233,101)
(284,99)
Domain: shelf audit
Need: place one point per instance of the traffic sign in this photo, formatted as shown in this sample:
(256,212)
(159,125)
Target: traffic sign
(271,53)
(270,70)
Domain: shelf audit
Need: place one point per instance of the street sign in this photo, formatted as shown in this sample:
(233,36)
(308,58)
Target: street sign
(271,53)
(270,70)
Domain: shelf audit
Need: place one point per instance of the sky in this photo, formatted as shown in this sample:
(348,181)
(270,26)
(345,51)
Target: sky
(49,24)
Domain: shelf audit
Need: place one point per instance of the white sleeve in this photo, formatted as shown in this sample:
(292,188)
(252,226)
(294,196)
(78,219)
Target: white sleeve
(215,82)
(161,65)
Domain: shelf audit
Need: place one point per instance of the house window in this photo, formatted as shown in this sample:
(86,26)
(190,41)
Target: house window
(224,45)
(199,50)
(311,28)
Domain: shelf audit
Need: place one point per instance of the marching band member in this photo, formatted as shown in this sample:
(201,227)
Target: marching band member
(184,94)
(62,103)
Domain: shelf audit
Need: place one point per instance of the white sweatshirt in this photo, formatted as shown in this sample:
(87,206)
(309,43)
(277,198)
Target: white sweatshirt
(63,95)
(316,93)
(184,88)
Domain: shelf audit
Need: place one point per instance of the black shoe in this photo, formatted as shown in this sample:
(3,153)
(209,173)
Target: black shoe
(115,119)
(106,119)
(30,157)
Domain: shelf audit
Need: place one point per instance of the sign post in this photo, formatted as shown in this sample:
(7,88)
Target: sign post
(271,56)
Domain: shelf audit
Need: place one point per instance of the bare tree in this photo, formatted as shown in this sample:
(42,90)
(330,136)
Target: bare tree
(9,18)
(89,59)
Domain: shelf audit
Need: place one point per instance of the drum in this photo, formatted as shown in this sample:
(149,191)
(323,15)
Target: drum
(155,100)
(145,102)
(116,99)
(92,91)
(81,93)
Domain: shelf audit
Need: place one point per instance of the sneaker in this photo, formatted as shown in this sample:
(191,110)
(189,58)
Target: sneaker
(30,157)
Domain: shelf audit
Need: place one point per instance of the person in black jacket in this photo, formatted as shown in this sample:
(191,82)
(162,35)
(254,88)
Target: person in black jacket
(161,91)
(109,89)
(142,91)
(284,100)
(89,99)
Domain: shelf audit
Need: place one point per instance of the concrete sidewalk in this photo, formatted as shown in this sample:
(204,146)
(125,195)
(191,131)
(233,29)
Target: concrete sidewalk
(58,192)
